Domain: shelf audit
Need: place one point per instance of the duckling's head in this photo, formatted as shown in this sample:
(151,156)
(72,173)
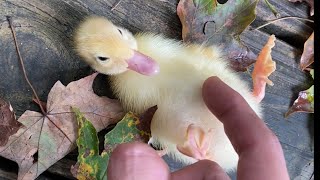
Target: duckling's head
(110,49)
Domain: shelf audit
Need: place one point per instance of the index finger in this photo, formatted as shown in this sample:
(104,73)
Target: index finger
(241,123)
(259,150)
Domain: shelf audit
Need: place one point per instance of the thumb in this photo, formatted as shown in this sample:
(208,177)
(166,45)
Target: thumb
(136,161)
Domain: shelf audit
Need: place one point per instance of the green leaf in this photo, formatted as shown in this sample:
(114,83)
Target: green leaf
(130,128)
(222,27)
(90,164)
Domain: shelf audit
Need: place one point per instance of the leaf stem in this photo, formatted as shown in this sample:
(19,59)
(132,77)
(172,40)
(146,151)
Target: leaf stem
(283,18)
(272,8)
(9,18)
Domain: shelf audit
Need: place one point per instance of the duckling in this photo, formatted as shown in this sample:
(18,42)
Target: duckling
(148,69)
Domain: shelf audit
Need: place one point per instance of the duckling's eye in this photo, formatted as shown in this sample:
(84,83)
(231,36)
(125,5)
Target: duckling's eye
(102,58)
(120,31)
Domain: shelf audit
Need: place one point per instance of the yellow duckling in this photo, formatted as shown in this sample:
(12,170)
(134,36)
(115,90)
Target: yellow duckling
(149,69)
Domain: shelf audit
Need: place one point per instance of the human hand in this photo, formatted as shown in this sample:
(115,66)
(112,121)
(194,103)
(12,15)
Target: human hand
(259,150)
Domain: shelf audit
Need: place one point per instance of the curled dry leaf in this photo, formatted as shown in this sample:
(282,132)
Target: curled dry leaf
(53,136)
(310,2)
(304,102)
(90,164)
(8,123)
(220,26)
(307,56)
(263,68)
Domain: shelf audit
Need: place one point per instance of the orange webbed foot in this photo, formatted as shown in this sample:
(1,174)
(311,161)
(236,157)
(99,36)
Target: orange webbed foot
(197,143)
(263,68)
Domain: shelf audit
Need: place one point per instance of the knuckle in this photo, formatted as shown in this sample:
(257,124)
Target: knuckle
(214,171)
(213,166)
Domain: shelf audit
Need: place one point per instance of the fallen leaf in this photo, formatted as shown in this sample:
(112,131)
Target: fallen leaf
(312,73)
(43,140)
(263,68)
(209,5)
(145,124)
(131,128)
(307,56)
(304,102)
(8,123)
(222,27)
(310,2)
(40,103)
(90,164)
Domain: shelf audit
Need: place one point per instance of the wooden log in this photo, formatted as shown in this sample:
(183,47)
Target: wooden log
(44,30)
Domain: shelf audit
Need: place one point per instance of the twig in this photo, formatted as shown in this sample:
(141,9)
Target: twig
(283,18)
(115,6)
(34,92)
(22,64)
(41,103)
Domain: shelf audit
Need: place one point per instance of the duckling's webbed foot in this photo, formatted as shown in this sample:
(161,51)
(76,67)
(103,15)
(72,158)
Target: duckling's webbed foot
(263,68)
(197,143)
(259,82)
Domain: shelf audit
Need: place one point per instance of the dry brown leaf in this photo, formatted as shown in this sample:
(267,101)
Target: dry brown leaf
(310,2)
(46,139)
(263,68)
(8,123)
(304,102)
(307,56)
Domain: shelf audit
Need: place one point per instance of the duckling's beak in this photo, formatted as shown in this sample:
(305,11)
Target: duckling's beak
(143,64)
